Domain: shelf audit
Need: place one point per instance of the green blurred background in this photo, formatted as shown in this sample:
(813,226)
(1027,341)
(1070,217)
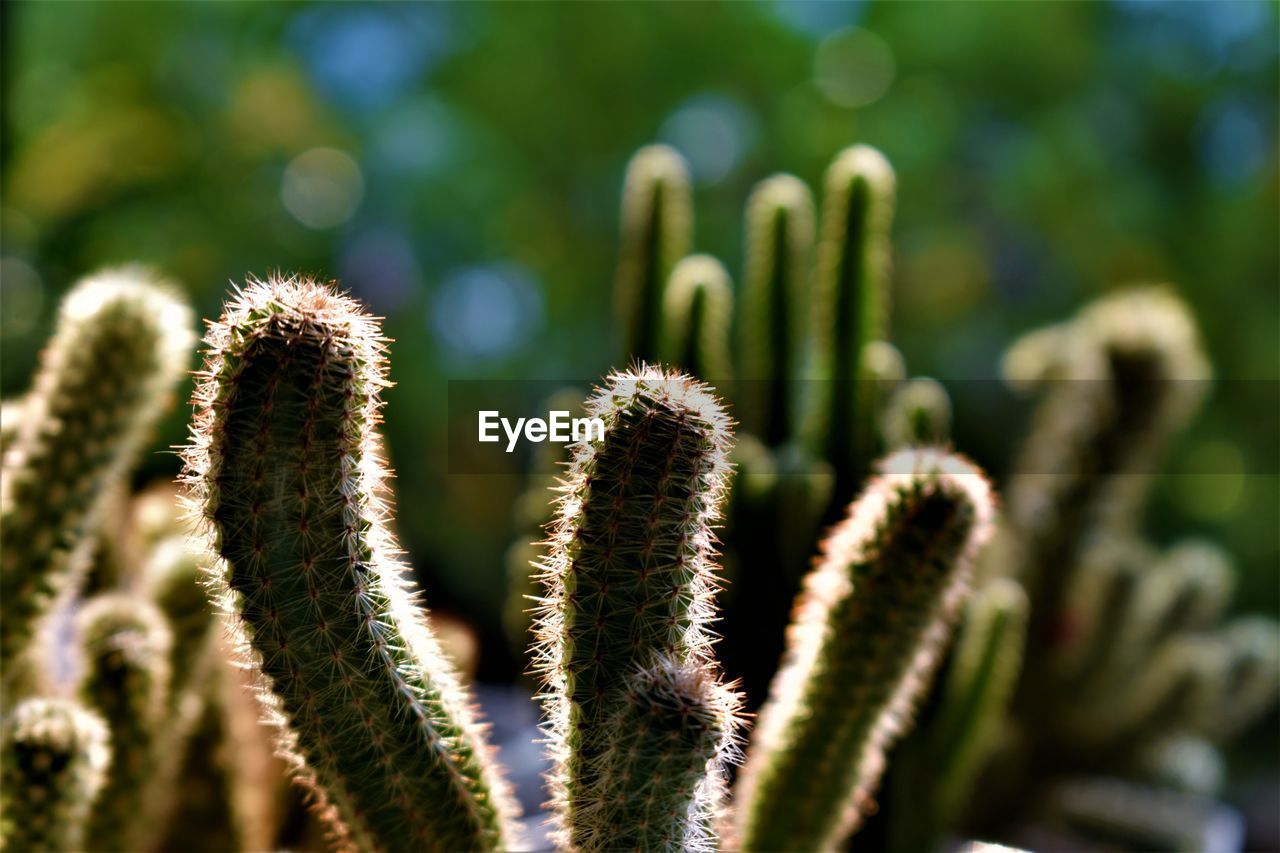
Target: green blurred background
(458,168)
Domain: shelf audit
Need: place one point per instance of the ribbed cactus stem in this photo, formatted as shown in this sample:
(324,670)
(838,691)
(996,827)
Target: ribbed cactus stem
(849,309)
(284,467)
(127,645)
(53,761)
(697,309)
(659,788)
(629,576)
(917,414)
(657,231)
(866,637)
(983,673)
(1129,373)
(121,344)
(779,238)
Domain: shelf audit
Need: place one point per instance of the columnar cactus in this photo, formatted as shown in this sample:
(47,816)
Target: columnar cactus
(866,637)
(696,311)
(850,308)
(285,469)
(53,761)
(657,231)
(661,783)
(629,581)
(917,414)
(779,245)
(121,344)
(127,645)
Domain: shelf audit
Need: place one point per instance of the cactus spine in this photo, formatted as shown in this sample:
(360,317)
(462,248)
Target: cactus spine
(127,645)
(629,581)
(285,468)
(53,765)
(121,344)
(779,243)
(866,637)
(657,231)
(849,310)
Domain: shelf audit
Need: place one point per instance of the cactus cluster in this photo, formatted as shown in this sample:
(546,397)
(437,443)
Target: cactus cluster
(1089,684)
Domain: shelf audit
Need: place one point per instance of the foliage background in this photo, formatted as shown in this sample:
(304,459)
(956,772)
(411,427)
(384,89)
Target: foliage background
(458,168)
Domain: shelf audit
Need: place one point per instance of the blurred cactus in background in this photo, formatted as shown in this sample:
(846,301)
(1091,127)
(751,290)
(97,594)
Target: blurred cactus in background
(1093,679)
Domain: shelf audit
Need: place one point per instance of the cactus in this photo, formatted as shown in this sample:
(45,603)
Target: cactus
(861,649)
(52,769)
(127,645)
(918,414)
(629,578)
(284,468)
(849,310)
(696,311)
(659,787)
(10,422)
(121,344)
(657,231)
(779,244)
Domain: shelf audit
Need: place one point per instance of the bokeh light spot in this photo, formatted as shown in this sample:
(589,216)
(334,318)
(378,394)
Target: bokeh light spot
(322,187)
(484,313)
(1214,482)
(712,131)
(21,296)
(853,67)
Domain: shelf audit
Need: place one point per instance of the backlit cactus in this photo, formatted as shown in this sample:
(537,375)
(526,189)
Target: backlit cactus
(121,344)
(53,761)
(629,580)
(865,638)
(696,310)
(850,307)
(657,231)
(285,470)
(779,238)
(126,680)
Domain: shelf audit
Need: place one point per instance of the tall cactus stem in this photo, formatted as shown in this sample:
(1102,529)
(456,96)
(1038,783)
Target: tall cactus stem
(779,238)
(866,637)
(657,231)
(122,342)
(284,468)
(850,308)
(629,576)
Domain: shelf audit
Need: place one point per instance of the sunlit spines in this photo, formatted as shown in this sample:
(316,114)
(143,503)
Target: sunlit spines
(662,787)
(285,470)
(126,680)
(53,761)
(122,341)
(862,647)
(1252,677)
(657,231)
(697,309)
(773,308)
(630,570)
(849,310)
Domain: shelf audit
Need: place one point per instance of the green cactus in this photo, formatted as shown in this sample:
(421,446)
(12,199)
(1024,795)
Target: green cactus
(127,645)
(52,769)
(918,414)
(867,634)
(629,576)
(121,344)
(660,786)
(657,231)
(779,236)
(284,466)
(696,311)
(850,309)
